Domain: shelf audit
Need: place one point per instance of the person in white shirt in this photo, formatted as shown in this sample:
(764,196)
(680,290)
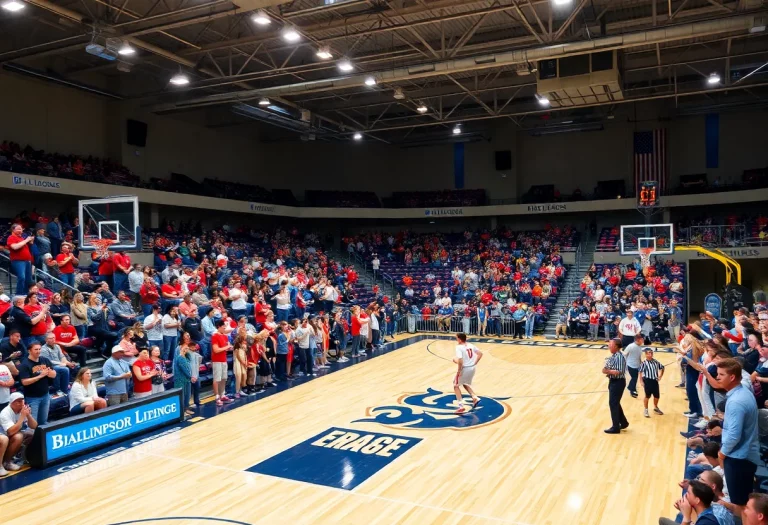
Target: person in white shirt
(634,355)
(83,397)
(375,263)
(17,426)
(303,333)
(6,382)
(628,328)
(467,358)
(153,327)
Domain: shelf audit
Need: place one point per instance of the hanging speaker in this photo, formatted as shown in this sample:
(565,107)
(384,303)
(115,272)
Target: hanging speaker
(136,132)
(503,160)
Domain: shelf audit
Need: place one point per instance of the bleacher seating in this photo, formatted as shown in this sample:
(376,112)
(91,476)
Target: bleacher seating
(437,199)
(341,199)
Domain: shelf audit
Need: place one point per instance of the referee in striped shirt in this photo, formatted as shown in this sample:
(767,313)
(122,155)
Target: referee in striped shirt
(615,368)
(651,372)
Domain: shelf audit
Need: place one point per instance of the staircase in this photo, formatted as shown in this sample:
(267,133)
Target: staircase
(571,288)
(365,274)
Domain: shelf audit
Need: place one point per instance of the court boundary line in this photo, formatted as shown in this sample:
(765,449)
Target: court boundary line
(335,489)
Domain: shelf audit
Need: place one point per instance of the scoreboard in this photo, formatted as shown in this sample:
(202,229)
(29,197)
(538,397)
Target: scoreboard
(648,195)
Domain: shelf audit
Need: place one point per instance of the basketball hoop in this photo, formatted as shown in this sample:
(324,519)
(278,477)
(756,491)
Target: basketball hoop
(101,246)
(645,256)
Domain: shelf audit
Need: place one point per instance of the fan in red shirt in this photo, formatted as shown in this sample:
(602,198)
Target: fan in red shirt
(67,261)
(143,371)
(32,308)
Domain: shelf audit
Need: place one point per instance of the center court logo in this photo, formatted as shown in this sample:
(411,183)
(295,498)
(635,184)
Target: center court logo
(434,410)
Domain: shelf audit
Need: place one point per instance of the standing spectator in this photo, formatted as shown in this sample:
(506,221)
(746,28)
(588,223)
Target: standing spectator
(55,234)
(135,282)
(740,449)
(182,377)
(171,326)
(116,372)
(17,424)
(281,360)
(51,351)
(37,375)
(18,319)
(220,346)
(628,328)
(195,359)
(41,248)
(6,382)
(21,258)
(33,308)
(339,334)
(634,353)
(562,325)
(692,350)
(208,327)
(83,398)
(143,372)
(67,262)
(614,369)
(122,267)
(158,381)
(153,325)
(149,295)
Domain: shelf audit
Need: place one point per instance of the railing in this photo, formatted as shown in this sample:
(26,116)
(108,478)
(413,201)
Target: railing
(714,235)
(500,326)
(51,282)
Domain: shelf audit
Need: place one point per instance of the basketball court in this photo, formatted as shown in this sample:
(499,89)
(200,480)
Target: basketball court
(534,451)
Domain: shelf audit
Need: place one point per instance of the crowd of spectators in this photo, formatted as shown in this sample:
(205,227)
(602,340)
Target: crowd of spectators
(723,365)
(226,307)
(654,296)
(482,282)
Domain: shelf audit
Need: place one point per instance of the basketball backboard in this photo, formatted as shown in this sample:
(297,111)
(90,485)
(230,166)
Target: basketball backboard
(637,238)
(115,218)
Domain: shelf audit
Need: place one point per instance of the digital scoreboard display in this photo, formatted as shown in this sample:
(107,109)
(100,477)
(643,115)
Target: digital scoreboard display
(648,196)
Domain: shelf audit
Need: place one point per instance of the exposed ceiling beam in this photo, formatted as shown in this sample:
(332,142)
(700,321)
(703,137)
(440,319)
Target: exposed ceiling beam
(489,61)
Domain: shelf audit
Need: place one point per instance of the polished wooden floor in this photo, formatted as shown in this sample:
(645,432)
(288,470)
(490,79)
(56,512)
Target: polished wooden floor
(548,462)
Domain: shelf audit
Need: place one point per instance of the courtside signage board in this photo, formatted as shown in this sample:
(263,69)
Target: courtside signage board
(75,436)
(339,457)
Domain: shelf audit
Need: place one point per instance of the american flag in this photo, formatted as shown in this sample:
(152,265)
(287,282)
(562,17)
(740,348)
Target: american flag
(651,158)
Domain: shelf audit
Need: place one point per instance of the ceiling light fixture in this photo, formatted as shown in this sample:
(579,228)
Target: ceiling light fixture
(422,109)
(543,101)
(261,18)
(324,53)
(264,101)
(713,79)
(345,66)
(457,129)
(179,79)
(13,5)
(126,49)
(561,2)
(290,34)
(358,136)
(370,81)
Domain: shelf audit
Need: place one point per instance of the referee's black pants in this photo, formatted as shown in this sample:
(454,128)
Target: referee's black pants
(615,391)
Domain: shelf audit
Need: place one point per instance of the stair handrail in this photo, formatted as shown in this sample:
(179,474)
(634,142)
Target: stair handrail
(6,260)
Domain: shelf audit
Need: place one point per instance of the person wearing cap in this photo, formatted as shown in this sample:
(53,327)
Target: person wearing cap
(17,427)
(67,262)
(117,373)
(37,375)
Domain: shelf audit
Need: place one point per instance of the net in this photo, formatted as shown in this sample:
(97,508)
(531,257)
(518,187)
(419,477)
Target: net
(101,246)
(645,256)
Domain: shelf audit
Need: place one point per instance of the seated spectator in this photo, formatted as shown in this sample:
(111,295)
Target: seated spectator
(698,498)
(83,398)
(20,320)
(101,324)
(122,311)
(756,511)
(67,338)
(57,309)
(17,427)
(13,350)
(51,351)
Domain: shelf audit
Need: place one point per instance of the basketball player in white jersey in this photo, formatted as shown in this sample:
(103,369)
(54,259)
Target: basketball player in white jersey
(467,357)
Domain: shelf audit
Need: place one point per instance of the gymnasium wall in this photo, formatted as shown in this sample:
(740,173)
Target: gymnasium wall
(199,144)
